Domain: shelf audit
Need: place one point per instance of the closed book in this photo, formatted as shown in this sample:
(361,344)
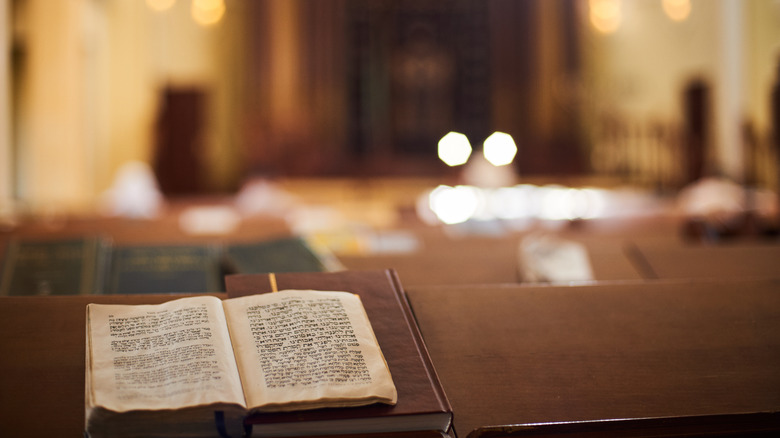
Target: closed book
(287,254)
(72,266)
(154,269)
(422,405)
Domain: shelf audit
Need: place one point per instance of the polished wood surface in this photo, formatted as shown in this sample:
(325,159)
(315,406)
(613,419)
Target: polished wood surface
(728,260)
(669,329)
(507,354)
(484,260)
(42,340)
(511,355)
(441,256)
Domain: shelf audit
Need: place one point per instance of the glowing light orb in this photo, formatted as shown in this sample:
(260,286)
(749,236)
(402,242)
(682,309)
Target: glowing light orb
(454,205)
(605,15)
(208,12)
(677,10)
(499,149)
(454,149)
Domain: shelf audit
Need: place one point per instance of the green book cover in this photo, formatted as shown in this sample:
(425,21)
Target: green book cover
(55,267)
(153,269)
(291,254)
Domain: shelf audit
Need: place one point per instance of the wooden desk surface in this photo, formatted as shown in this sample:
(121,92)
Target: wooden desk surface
(42,362)
(520,354)
(473,259)
(440,258)
(677,260)
(444,257)
(506,354)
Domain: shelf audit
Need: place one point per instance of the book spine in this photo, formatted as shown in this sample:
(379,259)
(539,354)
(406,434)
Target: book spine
(422,350)
(90,264)
(11,251)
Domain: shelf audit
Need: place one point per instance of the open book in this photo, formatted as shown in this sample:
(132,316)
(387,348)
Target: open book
(198,366)
(422,410)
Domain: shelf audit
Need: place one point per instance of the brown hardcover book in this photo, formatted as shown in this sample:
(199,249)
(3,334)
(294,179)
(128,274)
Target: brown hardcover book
(200,365)
(422,404)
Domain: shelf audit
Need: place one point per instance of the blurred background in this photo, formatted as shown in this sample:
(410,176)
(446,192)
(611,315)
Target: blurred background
(156,146)
(212,93)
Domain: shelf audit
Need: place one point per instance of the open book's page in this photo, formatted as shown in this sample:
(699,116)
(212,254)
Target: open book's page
(167,356)
(307,349)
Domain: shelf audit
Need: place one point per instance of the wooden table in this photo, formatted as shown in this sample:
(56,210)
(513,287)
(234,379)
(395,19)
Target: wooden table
(695,352)
(701,354)
(677,260)
(42,340)
(507,353)
(444,256)
(472,259)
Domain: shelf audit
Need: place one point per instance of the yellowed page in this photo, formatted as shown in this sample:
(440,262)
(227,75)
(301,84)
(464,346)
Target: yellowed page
(307,349)
(167,356)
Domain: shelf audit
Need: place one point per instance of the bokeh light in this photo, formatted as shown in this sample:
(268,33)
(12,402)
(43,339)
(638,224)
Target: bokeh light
(454,149)
(605,15)
(208,12)
(454,205)
(499,149)
(523,202)
(512,202)
(677,10)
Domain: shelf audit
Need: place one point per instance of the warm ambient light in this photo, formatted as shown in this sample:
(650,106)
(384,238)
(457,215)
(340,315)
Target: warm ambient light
(605,15)
(454,205)
(208,12)
(677,10)
(499,149)
(454,149)
(160,5)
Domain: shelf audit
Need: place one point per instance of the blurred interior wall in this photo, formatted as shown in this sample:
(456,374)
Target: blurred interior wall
(54,151)
(294,108)
(87,76)
(153,52)
(635,77)
(535,69)
(6,167)
(762,56)
(88,87)
(730,101)
(134,42)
